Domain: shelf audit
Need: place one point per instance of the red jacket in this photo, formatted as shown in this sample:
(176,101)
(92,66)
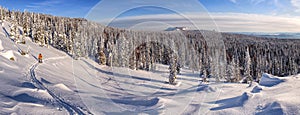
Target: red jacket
(40,56)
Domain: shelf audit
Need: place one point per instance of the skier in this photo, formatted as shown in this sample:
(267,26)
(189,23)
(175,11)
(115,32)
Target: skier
(40,58)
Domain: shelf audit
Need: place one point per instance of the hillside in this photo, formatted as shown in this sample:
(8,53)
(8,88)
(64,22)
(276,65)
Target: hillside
(135,72)
(62,85)
(220,55)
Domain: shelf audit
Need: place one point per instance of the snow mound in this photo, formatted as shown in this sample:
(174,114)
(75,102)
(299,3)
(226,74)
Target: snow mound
(134,104)
(8,54)
(269,80)
(256,89)
(178,84)
(238,101)
(1,70)
(205,88)
(33,92)
(28,85)
(138,102)
(1,47)
(1,26)
(62,86)
(9,65)
(26,98)
(45,81)
(270,109)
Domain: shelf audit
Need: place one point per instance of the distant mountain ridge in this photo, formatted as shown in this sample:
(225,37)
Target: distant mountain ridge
(280,35)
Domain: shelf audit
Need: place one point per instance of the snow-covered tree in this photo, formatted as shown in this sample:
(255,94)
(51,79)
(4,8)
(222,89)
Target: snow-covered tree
(247,65)
(198,50)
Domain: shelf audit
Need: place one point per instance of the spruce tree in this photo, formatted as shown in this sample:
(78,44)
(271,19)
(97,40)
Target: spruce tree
(247,74)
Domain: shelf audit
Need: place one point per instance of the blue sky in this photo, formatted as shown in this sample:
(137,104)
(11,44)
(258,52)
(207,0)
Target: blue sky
(225,15)
(68,8)
(79,8)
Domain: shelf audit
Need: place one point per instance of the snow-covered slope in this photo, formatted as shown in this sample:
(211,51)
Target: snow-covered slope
(62,85)
(18,93)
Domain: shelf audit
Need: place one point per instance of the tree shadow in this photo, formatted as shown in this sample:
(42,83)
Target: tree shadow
(196,88)
(28,85)
(26,98)
(143,105)
(231,102)
(6,32)
(121,75)
(34,57)
(45,81)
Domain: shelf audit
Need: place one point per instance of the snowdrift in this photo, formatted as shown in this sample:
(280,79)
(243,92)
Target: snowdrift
(1,47)
(271,109)
(61,85)
(238,101)
(269,80)
(256,89)
(8,55)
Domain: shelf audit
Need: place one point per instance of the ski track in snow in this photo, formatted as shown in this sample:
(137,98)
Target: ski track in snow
(70,108)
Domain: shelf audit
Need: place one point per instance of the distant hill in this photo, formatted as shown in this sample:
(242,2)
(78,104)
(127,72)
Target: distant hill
(280,35)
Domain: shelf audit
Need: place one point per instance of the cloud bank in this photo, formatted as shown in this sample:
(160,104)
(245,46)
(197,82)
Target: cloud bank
(296,4)
(225,22)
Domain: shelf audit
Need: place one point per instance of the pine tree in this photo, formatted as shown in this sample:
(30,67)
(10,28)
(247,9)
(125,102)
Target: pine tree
(172,63)
(230,72)
(172,68)
(247,74)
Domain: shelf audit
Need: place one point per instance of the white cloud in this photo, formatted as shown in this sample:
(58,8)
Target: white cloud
(234,1)
(296,4)
(43,4)
(229,22)
(252,1)
(120,7)
(257,1)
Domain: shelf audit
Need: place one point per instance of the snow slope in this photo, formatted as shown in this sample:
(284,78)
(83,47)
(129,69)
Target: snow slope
(1,47)
(62,85)
(18,94)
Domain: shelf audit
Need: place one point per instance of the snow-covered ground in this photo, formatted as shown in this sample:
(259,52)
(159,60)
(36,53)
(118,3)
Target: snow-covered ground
(62,85)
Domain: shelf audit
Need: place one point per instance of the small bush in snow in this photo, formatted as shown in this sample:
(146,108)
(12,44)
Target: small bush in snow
(12,59)
(23,52)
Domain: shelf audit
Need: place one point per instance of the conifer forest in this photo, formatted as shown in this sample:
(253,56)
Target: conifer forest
(229,56)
